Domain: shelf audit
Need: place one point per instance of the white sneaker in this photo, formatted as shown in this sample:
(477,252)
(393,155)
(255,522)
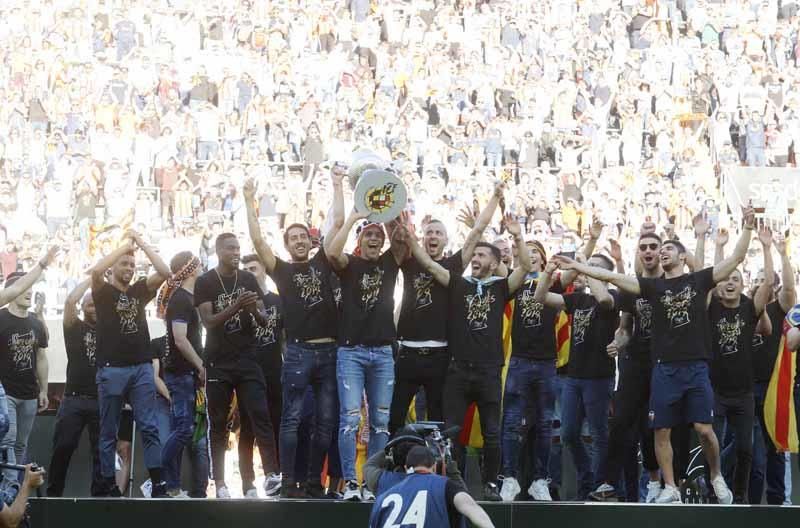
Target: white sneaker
(653,490)
(510,489)
(724,495)
(178,494)
(147,488)
(669,495)
(223,493)
(540,491)
(252,493)
(272,485)
(352,492)
(366,495)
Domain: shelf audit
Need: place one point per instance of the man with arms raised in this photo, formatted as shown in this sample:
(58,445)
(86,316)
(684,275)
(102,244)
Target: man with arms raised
(681,387)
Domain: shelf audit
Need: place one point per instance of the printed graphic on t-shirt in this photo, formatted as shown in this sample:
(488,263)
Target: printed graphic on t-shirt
(580,322)
(21,346)
(729,332)
(234,324)
(530,310)
(422,290)
(89,347)
(127,310)
(644,316)
(309,286)
(677,306)
(370,285)
(337,296)
(267,334)
(478,308)
(758,340)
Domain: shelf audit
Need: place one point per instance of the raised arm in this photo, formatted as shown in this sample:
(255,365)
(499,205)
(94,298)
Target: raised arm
(335,250)
(71,304)
(262,248)
(439,273)
(337,176)
(726,267)
(787,296)
(764,291)
(517,277)
(162,273)
(98,271)
(595,230)
(21,285)
(542,293)
(623,282)
(600,293)
(719,245)
(481,223)
(701,228)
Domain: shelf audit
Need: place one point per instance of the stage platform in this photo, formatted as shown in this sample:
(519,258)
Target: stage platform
(240,513)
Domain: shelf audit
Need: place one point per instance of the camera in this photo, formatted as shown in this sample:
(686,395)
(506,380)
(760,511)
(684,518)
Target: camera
(428,434)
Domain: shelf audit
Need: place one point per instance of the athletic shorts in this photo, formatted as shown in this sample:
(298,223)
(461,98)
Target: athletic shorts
(680,393)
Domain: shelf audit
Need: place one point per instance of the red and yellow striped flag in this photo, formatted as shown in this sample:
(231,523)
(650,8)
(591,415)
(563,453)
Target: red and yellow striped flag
(779,416)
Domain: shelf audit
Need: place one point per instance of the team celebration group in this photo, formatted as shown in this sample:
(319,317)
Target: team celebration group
(667,347)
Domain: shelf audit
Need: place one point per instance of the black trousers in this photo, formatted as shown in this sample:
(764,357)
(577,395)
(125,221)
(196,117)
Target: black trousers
(469,382)
(74,414)
(271,369)
(248,382)
(737,413)
(629,424)
(415,368)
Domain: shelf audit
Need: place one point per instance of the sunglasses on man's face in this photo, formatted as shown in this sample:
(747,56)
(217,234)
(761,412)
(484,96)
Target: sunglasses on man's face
(652,247)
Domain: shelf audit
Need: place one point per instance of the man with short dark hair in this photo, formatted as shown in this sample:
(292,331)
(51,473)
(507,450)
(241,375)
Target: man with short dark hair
(476,305)
(124,359)
(228,299)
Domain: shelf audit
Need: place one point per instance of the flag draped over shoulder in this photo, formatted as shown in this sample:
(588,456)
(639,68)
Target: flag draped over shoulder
(779,412)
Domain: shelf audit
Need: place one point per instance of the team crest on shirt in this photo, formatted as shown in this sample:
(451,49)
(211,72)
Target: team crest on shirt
(530,311)
(478,308)
(90,347)
(22,350)
(370,285)
(309,286)
(644,316)
(127,309)
(677,306)
(379,199)
(267,333)
(580,323)
(729,332)
(422,290)
(234,323)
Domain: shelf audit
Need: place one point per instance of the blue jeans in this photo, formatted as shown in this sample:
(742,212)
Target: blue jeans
(307,366)
(207,150)
(359,368)
(590,399)
(181,390)
(134,384)
(529,401)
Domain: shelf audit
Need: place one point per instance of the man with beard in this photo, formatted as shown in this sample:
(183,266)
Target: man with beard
(768,464)
(681,387)
(310,321)
(124,360)
(228,300)
(733,319)
(422,358)
(79,407)
(590,373)
(367,331)
(477,303)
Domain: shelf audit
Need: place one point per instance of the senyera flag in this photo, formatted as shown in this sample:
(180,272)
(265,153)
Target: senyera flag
(779,412)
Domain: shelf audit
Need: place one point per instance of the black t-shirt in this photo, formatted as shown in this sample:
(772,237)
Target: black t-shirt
(20,338)
(593,329)
(80,341)
(268,335)
(181,310)
(423,316)
(235,338)
(307,296)
(681,330)
(476,321)
(368,301)
(765,348)
(732,332)
(642,311)
(533,334)
(123,338)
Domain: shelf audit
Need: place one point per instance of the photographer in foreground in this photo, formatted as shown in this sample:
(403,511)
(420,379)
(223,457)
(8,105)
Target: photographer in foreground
(425,499)
(12,515)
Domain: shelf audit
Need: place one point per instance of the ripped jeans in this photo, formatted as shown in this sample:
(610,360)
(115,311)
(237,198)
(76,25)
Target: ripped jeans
(360,368)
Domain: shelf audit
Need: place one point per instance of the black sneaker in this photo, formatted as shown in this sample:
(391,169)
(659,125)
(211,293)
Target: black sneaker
(286,488)
(491,493)
(115,492)
(298,492)
(159,491)
(604,493)
(314,490)
(333,495)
